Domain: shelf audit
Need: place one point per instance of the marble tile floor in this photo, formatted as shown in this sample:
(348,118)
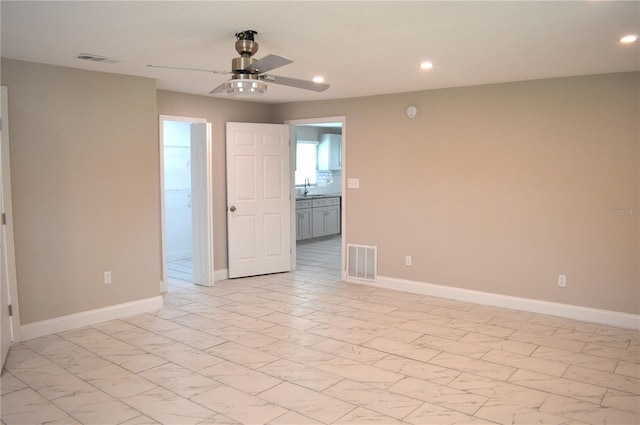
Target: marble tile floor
(180,269)
(305,348)
(320,254)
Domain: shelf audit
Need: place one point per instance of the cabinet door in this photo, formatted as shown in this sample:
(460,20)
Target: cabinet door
(332,219)
(298,225)
(323,156)
(330,152)
(306,223)
(303,224)
(319,225)
(335,153)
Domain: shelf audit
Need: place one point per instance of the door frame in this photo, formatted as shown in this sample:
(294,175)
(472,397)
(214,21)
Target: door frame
(9,243)
(321,120)
(208,183)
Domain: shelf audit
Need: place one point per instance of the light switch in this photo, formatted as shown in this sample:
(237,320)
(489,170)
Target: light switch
(353,183)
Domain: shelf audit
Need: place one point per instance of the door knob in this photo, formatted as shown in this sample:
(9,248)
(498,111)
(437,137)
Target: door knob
(233,208)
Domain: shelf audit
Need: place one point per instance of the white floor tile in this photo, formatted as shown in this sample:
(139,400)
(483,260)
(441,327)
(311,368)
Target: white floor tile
(304,348)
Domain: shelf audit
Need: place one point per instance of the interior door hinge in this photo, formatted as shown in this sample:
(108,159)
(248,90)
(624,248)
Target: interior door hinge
(10,310)
(4,218)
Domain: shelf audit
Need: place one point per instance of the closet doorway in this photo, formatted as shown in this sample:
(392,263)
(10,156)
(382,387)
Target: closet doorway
(187,248)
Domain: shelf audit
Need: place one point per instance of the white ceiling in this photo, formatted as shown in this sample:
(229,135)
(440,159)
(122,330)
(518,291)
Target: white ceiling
(362,48)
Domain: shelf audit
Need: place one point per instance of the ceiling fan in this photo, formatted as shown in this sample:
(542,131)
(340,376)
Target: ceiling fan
(248,74)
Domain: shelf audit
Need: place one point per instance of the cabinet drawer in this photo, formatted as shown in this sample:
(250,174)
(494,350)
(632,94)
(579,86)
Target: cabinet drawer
(319,202)
(303,204)
(325,202)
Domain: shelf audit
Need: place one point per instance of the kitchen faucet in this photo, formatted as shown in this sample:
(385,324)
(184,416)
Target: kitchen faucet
(306,186)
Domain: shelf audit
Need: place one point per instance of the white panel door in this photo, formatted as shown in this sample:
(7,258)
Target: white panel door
(5,319)
(201,205)
(258,199)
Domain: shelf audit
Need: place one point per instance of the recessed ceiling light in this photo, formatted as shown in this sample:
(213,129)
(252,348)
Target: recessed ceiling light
(318,79)
(426,65)
(631,38)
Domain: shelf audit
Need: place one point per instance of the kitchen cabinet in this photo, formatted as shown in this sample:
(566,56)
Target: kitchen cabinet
(330,152)
(304,218)
(317,217)
(326,217)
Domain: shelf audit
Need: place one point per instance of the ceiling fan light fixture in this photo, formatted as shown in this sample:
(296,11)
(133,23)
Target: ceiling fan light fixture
(318,79)
(240,86)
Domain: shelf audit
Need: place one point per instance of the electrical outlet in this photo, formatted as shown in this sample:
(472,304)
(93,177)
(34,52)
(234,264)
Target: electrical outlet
(562,280)
(407,260)
(107,278)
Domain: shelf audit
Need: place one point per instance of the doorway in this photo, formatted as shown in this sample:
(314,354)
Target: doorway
(187,249)
(318,153)
(177,199)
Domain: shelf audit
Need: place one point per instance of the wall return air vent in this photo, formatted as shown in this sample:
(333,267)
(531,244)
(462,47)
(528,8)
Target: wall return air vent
(362,262)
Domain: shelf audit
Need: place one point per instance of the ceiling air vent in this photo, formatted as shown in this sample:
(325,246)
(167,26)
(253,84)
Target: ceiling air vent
(95,58)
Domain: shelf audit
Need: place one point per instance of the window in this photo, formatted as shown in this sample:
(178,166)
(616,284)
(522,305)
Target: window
(306,161)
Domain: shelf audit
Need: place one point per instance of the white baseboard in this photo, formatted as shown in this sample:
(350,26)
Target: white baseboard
(86,318)
(179,255)
(221,274)
(586,314)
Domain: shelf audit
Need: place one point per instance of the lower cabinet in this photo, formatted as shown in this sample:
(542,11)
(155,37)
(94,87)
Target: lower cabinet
(326,221)
(303,223)
(317,217)
(333,220)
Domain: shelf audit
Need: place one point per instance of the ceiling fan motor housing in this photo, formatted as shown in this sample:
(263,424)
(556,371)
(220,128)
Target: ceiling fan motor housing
(246,46)
(243,62)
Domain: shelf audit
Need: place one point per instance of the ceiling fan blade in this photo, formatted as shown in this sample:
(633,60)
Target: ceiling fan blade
(268,63)
(189,69)
(294,82)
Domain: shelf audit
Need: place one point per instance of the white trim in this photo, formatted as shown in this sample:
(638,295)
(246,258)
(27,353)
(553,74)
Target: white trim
(87,318)
(587,314)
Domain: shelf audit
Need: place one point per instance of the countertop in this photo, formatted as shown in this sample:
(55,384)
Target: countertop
(318,196)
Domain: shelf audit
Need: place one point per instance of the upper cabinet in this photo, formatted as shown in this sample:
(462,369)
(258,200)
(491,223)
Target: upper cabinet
(330,152)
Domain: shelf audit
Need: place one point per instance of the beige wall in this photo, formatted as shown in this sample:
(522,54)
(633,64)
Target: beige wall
(495,188)
(84,169)
(500,188)
(217,112)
